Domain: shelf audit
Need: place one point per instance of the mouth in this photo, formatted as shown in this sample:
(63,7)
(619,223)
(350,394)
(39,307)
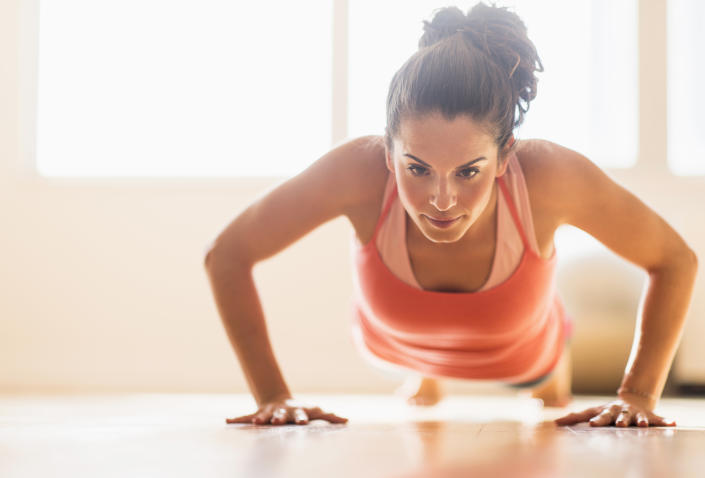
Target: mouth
(442,223)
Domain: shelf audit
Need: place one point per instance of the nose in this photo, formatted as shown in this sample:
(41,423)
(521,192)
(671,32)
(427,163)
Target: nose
(444,197)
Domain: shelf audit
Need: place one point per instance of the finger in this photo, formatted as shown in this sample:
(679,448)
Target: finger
(262,417)
(624,419)
(570,419)
(658,421)
(242,419)
(315,413)
(607,416)
(318,414)
(333,418)
(280,416)
(641,419)
(577,417)
(653,418)
(337,419)
(604,418)
(300,416)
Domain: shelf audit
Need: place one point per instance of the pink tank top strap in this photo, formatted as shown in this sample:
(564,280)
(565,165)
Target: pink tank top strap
(385,211)
(513,210)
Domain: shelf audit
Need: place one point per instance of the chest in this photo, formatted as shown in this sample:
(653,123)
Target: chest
(452,272)
(464,269)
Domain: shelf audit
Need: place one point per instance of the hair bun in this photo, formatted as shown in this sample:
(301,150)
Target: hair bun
(445,23)
(481,64)
(501,35)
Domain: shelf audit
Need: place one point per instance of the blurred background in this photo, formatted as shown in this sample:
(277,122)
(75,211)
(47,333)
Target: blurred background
(133,132)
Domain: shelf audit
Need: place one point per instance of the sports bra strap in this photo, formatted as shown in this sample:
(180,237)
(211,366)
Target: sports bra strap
(385,210)
(513,210)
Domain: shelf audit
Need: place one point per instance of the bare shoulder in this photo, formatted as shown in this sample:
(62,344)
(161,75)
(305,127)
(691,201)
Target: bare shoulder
(569,188)
(558,178)
(536,158)
(368,172)
(369,177)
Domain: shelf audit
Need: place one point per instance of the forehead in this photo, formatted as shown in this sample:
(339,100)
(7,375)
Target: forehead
(435,134)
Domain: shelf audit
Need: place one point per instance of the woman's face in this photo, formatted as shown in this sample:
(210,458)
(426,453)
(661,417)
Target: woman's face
(434,179)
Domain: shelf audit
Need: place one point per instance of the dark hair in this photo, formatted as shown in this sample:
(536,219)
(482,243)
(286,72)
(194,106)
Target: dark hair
(481,64)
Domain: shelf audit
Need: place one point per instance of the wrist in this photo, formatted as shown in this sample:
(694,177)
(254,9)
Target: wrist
(280,397)
(646,399)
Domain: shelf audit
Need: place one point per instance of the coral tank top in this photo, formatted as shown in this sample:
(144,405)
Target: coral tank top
(511,329)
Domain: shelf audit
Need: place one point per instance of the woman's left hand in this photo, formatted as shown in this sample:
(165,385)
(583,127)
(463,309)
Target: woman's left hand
(620,412)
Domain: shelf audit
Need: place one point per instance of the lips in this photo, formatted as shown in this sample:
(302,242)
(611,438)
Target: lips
(442,222)
(442,219)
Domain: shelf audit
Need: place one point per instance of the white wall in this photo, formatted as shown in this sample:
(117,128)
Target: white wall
(103,286)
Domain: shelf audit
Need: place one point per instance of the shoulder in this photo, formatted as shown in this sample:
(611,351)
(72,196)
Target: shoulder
(351,171)
(368,175)
(558,178)
(574,190)
(536,155)
(367,171)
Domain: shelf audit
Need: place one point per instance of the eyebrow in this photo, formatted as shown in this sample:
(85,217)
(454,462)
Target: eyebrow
(428,165)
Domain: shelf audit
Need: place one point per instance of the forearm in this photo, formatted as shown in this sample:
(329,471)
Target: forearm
(658,332)
(241,312)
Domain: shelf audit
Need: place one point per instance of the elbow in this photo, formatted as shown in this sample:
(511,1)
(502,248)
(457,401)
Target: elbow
(208,253)
(687,260)
(206,258)
(219,256)
(693,258)
(683,260)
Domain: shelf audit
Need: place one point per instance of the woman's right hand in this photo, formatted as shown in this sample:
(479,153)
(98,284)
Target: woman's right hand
(281,412)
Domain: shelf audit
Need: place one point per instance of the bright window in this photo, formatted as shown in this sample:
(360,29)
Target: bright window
(686,77)
(587,96)
(188,88)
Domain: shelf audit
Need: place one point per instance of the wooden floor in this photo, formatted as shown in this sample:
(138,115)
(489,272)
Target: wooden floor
(148,435)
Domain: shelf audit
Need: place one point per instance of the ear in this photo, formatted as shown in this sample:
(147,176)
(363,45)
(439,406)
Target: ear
(389,162)
(503,157)
(504,162)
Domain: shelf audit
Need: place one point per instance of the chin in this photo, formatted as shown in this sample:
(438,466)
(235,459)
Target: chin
(443,240)
(443,237)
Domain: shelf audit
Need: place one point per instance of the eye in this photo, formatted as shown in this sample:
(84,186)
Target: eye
(419,170)
(473,170)
(413,168)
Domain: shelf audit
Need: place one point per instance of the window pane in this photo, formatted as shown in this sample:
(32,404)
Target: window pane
(188,88)
(587,98)
(686,77)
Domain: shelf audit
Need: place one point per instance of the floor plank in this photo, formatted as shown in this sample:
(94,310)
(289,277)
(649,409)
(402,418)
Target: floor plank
(175,435)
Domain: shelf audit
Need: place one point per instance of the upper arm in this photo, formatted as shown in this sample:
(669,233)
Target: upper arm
(328,188)
(579,193)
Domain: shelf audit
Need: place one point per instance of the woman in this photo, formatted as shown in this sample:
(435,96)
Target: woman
(454,222)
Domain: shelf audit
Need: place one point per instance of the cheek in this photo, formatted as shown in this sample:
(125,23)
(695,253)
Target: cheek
(413,194)
(483,193)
